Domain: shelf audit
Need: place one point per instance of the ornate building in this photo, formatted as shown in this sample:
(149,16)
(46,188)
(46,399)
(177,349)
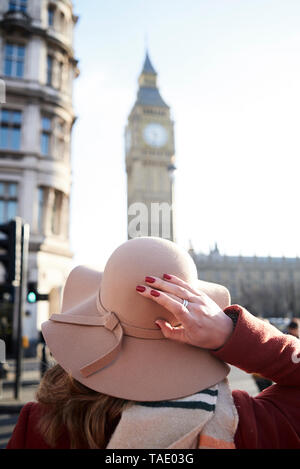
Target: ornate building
(150,166)
(38,66)
(267,286)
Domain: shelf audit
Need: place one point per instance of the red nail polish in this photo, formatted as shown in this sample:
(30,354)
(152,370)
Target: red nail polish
(149,279)
(154,293)
(167,276)
(140,288)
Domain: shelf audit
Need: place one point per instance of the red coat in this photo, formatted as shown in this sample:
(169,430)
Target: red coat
(269,420)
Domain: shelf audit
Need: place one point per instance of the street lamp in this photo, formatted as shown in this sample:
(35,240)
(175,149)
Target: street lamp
(171,171)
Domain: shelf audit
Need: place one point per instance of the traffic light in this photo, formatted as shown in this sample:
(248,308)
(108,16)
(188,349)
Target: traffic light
(33,294)
(11,252)
(14,247)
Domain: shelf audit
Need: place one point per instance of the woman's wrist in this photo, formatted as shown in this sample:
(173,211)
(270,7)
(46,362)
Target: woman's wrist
(233,313)
(230,320)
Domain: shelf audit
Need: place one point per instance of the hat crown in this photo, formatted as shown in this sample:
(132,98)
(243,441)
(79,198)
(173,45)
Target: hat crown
(117,354)
(128,266)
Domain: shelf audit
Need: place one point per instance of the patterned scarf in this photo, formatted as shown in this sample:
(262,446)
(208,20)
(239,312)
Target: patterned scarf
(205,420)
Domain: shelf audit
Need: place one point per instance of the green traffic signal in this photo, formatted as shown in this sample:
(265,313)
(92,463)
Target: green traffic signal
(31,297)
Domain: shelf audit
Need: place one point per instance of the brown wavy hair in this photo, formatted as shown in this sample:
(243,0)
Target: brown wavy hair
(88,416)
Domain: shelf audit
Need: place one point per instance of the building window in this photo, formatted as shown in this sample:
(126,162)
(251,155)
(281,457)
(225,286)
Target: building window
(46,136)
(62,22)
(52,215)
(41,208)
(53,137)
(60,75)
(8,201)
(56,213)
(49,70)
(51,12)
(60,139)
(10,129)
(18,5)
(14,58)
(55,71)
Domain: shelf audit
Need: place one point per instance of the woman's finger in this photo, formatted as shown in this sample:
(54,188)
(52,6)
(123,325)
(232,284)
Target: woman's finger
(147,292)
(181,283)
(170,332)
(177,290)
(168,301)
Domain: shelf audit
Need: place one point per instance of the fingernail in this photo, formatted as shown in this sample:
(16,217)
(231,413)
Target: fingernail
(167,276)
(149,279)
(140,288)
(154,293)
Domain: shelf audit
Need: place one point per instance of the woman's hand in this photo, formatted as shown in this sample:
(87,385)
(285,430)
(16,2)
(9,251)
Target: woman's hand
(202,321)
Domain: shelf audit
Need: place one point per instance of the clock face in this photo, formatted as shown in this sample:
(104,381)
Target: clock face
(155,135)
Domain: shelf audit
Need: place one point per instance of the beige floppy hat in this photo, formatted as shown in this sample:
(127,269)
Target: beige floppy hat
(106,336)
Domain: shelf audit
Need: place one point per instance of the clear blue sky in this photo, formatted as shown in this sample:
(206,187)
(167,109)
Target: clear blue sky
(230,70)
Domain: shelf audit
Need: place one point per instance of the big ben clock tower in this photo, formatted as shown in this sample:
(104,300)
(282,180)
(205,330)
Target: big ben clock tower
(149,139)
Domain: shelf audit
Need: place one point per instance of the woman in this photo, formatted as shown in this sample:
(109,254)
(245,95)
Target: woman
(142,353)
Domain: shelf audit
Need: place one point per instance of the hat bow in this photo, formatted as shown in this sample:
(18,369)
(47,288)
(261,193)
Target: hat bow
(111,322)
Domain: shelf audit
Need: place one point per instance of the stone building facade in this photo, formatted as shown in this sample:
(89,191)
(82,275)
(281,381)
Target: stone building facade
(38,66)
(150,161)
(267,286)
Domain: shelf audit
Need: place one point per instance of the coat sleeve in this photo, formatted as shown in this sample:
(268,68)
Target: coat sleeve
(19,436)
(272,418)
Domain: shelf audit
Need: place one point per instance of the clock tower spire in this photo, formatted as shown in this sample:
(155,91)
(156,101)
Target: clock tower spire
(150,149)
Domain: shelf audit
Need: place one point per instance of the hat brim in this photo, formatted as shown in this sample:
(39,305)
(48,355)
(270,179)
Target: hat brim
(144,370)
